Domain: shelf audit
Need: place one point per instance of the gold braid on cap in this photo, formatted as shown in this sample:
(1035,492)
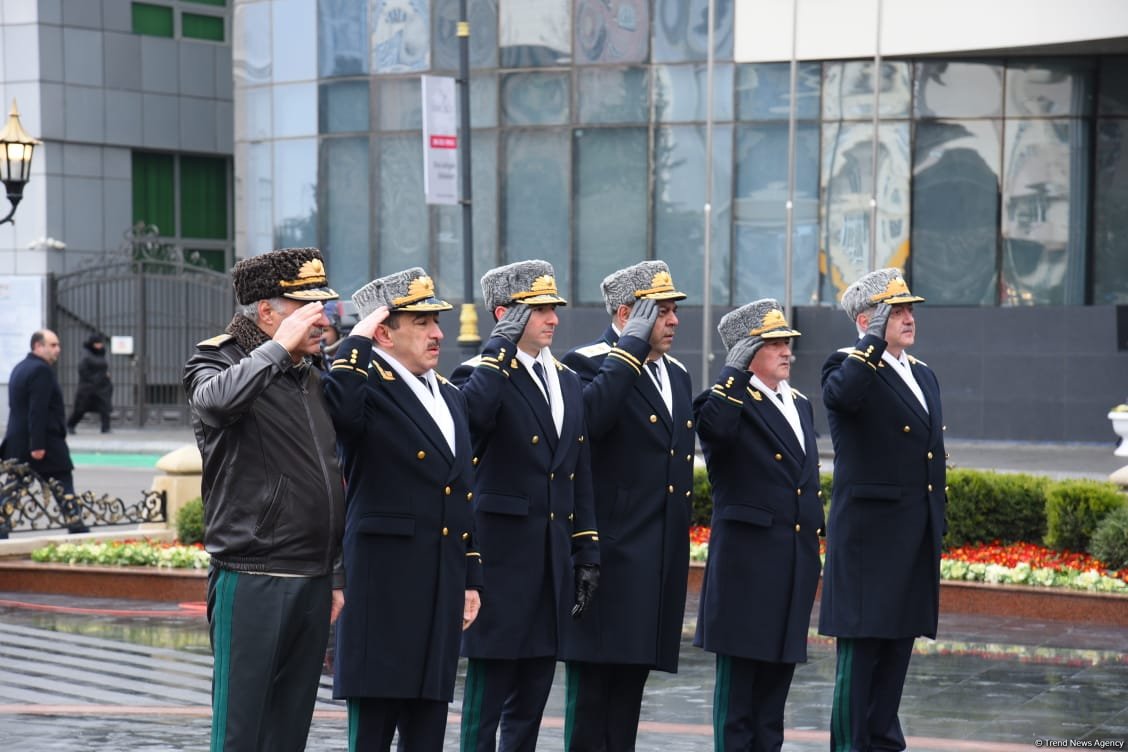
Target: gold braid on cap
(895,287)
(662,282)
(543,285)
(421,288)
(773,319)
(311,272)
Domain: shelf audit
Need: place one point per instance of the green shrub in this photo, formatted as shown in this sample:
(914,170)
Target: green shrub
(984,506)
(1110,541)
(825,480)
(1074,509)
(702,498)
(190,522)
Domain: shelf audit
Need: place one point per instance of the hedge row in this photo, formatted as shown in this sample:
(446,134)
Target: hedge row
(983,506)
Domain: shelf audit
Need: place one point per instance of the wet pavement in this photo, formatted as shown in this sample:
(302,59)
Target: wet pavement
(82,673)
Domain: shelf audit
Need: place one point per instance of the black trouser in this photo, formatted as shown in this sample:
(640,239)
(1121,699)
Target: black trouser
(748,701)
(373,722)
(867,693)
(268,636)
(511,693)
(90,403)
(602,706)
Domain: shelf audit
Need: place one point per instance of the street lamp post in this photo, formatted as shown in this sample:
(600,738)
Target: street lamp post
(468,337)
(16,149)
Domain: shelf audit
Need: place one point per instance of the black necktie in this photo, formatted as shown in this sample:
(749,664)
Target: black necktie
(653,366)
(538,369)
(780,396)
(426,384)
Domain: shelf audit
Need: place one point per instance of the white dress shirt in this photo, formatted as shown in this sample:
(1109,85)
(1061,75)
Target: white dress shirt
(785,403)
(429,396)
(904,369)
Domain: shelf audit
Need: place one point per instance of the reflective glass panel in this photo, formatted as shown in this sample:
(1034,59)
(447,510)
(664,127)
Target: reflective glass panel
(1045,209)
(958,90)
(1114,86)
(295,193)
(760,214)
(399,104)
(401,35)
(846,183)
(402,226)
(293,40)
(613,95)
(1062,87)
(1110,261)
(956,211)
(534,33)
(346,221)
(680,92)
(612,31)
(535,99)
(483,100)
(681,30)
(483,34)
(252,114)
(342,37)
(763,91)
(536,191)
(679,215)
(848,90)
(610,195)
(295,110)
(250,48)
(258,190)
(449,218)
(343,107)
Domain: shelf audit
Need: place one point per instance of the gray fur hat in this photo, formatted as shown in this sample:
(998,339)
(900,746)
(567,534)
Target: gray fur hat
(648,279)
(531,282)
(761,318)
(297,273)
(881,286)
(409,290)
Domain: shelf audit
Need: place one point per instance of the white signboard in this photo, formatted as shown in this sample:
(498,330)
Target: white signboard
(121,344)
(21,299)
(440,140)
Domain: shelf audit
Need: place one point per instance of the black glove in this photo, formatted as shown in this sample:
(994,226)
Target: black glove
(878,319)
(641,321)
(587,580)
(512,324)
(742,352)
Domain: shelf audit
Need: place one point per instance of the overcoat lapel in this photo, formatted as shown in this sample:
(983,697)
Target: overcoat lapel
(522,380)
(776,423)
(902,389)
(411,406)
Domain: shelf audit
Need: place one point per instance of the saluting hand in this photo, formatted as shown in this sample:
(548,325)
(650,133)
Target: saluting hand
(366,327)
(293,331)
(878,320)
(512,324)
(741,353)
(641,321)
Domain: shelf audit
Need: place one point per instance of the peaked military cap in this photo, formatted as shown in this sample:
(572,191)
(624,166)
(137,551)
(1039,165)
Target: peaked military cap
(761,318)
(409,290)
(881,286)
(532,282)
(297,273)
(648,279)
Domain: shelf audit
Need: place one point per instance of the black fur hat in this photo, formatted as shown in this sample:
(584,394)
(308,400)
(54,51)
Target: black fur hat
(297,273)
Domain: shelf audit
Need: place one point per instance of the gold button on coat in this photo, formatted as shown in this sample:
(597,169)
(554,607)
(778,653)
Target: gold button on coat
(930,488)
(778,456)
(671,489)
(653,418)
(536,439)
(798,491)
(469,495)
(446,531)
(930,455)
(552,515)
(796,527)
(447,490)
(466,536)
(421,454)
(689,424)
(552,476)
(905,429)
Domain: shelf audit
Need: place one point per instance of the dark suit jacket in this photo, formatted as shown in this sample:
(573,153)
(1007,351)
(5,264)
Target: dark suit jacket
(767,517)
(37,418)
(642,470)
(532,504)
(882,574)
(409,545)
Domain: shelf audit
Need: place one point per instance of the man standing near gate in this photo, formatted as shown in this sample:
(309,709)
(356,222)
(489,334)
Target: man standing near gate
(274,507)
(638,401)
(37,427)
(881,582)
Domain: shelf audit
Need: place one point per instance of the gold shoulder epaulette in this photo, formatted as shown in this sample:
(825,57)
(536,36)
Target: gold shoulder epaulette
(846,350)
(677,362)
(916,361)
(796,393)
(590,351)
(442,379)
(560,366)
(385,374)
(473,361)
(214,343)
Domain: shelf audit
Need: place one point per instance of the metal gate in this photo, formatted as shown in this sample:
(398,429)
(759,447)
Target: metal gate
(146,290)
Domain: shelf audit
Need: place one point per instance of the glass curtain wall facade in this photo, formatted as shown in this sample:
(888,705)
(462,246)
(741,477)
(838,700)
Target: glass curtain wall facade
(1000,182)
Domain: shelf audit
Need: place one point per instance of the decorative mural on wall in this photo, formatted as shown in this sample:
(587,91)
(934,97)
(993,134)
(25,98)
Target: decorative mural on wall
(400,36)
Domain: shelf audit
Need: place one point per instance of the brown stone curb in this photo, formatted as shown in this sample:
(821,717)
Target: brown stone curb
(142,583)
(1057,604)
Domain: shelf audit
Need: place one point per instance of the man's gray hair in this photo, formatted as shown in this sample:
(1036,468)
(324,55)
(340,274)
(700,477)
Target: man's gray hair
(250,310)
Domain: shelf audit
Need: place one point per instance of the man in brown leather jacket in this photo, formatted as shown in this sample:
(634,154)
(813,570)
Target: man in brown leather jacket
(273,502)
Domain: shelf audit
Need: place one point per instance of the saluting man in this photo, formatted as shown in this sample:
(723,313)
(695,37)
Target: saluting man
(639,413)
(881,584)
(412,571)
(758,437)
(532,505)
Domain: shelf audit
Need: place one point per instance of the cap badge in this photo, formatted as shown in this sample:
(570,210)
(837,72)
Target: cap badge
(311,272)
(773,319)
(542,285)
(660,282)
(421,288)
(895,287)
